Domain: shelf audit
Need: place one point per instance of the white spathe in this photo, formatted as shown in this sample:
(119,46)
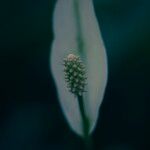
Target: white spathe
(73,19)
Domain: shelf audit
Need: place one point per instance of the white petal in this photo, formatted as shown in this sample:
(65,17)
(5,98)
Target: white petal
(74,24)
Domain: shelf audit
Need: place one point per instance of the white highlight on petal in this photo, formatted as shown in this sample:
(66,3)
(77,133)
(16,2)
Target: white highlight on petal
(93,56)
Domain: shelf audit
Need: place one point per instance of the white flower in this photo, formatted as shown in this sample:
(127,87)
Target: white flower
(76,31)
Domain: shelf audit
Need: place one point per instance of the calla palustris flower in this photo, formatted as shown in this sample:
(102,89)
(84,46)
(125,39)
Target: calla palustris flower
(76,31)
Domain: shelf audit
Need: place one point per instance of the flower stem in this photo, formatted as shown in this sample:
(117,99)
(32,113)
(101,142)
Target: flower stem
(86,124)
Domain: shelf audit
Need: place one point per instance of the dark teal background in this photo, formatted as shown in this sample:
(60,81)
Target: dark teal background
(30,114)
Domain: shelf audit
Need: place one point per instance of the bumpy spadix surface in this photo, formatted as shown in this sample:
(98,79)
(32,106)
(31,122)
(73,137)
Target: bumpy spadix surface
(76,31)
(75,75)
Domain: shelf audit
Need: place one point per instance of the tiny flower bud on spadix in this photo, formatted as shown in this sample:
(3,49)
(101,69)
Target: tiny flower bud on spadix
(74,74)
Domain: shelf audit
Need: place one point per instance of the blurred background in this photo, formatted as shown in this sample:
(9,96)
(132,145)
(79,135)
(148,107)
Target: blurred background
(30,114)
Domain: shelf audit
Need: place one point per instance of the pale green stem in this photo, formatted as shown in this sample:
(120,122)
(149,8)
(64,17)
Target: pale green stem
(86,124)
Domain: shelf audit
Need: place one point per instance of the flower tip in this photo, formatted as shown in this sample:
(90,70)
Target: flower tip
(71,57)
